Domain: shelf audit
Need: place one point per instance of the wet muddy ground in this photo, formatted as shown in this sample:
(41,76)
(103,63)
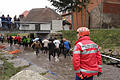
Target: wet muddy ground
(63,69)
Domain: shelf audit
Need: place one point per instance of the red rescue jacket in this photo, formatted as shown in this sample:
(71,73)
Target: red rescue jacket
(86,57)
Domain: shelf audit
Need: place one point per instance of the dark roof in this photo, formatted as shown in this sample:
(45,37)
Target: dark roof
(42,15)
(65,14)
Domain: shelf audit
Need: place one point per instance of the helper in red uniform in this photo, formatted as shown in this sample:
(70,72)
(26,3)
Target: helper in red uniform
(87,60)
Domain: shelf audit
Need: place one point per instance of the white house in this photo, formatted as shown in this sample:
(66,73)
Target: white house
(42,19)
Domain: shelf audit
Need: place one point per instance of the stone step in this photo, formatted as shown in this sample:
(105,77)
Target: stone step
(36,69)
(19,62)
(28,75)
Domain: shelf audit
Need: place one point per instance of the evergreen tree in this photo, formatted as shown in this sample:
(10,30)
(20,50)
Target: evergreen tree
(70,6)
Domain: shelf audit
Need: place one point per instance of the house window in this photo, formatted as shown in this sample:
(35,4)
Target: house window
(70,17)
(25,26)
(67,17)
(37,27)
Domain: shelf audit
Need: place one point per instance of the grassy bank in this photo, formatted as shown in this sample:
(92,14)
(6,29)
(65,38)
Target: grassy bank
(104,38)
(8,70)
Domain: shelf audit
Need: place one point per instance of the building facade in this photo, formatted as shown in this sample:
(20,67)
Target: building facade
(42,19)
(98,14)
(111,13)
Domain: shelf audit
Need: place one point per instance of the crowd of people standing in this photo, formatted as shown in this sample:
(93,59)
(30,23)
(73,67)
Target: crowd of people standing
(7,22)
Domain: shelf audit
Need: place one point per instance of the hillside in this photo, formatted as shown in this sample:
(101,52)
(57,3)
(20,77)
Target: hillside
(104,38)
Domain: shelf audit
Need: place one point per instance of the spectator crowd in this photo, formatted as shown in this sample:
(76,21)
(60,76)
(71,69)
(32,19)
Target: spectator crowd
(8,23)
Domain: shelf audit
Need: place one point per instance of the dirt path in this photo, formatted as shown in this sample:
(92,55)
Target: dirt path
(63,69)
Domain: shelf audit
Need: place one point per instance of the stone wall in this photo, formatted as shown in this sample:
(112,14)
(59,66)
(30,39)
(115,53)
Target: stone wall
(105,17)
(113,20)
(96,17)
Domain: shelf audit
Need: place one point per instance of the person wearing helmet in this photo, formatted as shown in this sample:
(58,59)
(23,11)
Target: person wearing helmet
(87,60)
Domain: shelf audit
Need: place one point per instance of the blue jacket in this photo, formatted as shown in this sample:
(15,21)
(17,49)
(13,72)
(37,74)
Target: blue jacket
(2,19)
(67,45)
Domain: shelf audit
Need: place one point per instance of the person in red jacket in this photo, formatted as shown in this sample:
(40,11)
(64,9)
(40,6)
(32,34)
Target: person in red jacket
(87,60)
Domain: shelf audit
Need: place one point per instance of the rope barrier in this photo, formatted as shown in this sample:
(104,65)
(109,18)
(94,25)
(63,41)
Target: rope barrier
(55,74)
(110,57)
(52,73)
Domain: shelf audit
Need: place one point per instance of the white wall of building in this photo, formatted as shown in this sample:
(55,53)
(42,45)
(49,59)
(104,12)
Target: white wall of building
(45,26)
(56,25)
(66,27)
(27,27)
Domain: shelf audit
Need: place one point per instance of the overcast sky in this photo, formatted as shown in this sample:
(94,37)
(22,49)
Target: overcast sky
(16,7)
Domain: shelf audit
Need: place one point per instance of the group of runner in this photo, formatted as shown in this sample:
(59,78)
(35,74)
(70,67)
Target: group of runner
(52,46)
(25,41)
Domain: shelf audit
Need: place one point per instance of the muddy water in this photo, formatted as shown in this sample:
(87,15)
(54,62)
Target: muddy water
(63,68)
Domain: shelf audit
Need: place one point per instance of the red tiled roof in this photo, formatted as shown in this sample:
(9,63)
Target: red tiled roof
(25,13)
(111,8)
(65,14)
(112,0)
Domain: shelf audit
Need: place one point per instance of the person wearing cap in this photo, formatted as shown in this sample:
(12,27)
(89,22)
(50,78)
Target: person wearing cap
(87,60)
